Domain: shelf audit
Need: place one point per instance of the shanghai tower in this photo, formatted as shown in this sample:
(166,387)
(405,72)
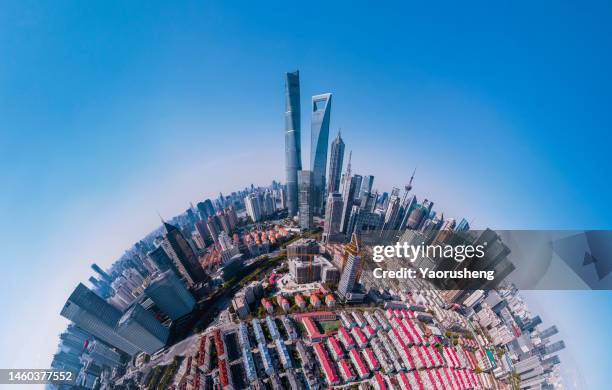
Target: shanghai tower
(293,150)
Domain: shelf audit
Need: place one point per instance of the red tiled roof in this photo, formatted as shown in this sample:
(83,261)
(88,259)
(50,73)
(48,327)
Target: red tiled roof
(328,368)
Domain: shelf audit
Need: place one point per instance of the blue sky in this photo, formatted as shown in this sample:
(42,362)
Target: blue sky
(112,111)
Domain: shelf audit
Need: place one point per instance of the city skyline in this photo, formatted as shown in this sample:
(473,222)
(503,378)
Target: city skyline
(351,188)
(122,132)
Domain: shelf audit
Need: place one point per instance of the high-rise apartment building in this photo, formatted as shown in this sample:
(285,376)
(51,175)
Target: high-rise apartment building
(319,141)
(349,275)
(303,249)
(253,205)
(293,149)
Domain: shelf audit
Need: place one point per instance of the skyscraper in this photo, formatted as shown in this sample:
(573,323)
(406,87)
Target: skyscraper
(350,188)
(102,354)
(92,314)
(321,111)
(366,185)
(462,226)
(212,224)
(357,179)
(336,158)
(205,209)
(142,329)
(349,274)
(185,260)
(254,207)
(102,274)
(551,331)
(293,149)
(305,179)
(170,295)
(392,214)
(333,217)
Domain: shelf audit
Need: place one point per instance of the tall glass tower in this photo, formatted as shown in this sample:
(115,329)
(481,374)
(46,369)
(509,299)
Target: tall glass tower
(336,158)
(321,110)
(293,150)
(305,180)
(94,315)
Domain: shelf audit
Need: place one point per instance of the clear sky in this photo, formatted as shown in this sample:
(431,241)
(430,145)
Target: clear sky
(111,111)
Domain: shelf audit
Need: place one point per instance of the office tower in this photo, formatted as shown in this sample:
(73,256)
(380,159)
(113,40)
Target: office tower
(253,207)
(282,197)
(293,150)
(92,314)
(383,201)
(102,274)
(344,182)
(205,209)
(417,217)
(102,354)
(142,329)
(232,216)
(336,158)
(197,240)
(191,217)
(74,340)
(551,331)
(363,220)
(212,224)
(66,361)
(160,258)
(170,295)
(305,179)
(358,180)
(185,260)
(366,185)
(321,111)
(392,214)
(351,187)
(224,222)
(368,201)
(101,286)
(406,209)
(268,204)
(445,229)
(554,347)
(427,204)
(349,275)
(462,226)
(333,217)
(202,229)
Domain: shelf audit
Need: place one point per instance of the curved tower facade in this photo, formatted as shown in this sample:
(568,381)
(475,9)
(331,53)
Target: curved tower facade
(293,150)
(321,111)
